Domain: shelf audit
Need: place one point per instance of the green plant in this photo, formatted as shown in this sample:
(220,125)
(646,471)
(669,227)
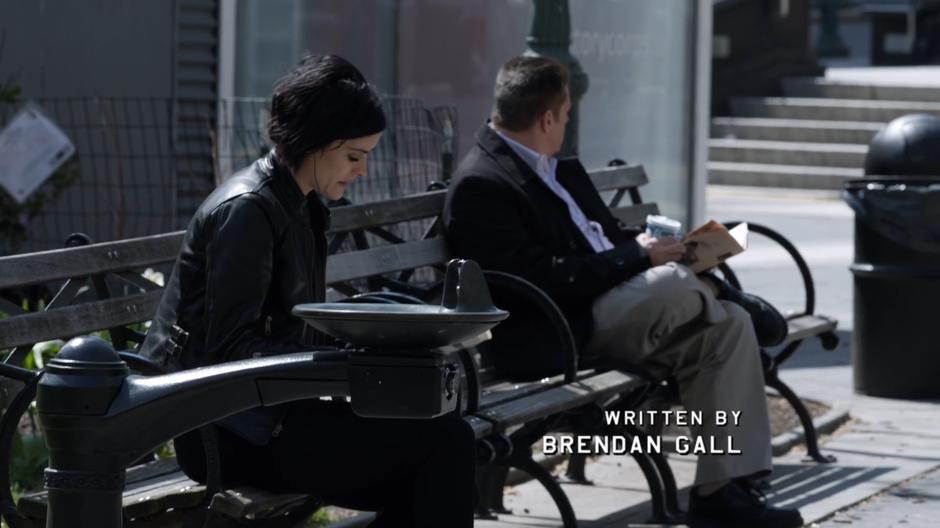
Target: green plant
(28,457)
(28,454)
(15,217)
(320,518)
(41,353)
(9,93)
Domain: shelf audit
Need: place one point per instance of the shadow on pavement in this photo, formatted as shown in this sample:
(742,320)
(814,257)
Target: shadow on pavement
(794,486)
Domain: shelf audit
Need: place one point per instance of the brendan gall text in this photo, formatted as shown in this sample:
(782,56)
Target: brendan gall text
(678,417)
(630,444)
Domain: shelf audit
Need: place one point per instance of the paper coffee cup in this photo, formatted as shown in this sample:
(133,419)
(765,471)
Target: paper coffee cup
(662,226)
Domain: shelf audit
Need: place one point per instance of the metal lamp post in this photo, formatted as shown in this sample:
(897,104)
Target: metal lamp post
(830,43)
(550,36)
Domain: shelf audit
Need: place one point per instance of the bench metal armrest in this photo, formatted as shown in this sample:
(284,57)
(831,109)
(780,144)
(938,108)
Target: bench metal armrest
(208,433)
(517,286)
(808,285)
(553,314)
(829,339)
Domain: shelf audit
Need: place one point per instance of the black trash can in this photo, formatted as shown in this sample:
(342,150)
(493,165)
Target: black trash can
(896,341)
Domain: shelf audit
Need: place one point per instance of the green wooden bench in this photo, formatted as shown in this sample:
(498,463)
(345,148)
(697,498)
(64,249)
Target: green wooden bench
(99,287)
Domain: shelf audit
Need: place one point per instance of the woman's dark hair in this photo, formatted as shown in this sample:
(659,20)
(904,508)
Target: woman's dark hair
(526,88)
(324,99)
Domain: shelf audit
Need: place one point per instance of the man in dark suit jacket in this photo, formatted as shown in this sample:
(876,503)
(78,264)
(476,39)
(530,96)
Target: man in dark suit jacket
(513,207)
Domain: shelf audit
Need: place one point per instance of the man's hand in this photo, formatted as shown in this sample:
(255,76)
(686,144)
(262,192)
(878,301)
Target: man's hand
(661,250)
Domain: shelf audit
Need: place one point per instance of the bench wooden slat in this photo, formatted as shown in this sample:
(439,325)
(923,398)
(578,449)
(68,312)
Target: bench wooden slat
(58,264)
(151,470)
(174,493)
(78,319)
(385,259)
(494,394)
(88,317)
(481,427)
(150,489)
(155,484)
(633,215)
(412,207)
(503,392)
(614,178)
(558,399)
(138,253)
(158,486)
(33,506)
(806,326)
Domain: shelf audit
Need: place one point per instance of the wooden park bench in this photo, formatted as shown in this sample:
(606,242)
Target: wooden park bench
(100,288)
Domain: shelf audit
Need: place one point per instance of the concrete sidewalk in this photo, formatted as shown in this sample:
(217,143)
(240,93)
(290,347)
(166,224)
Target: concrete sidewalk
(888,455)
(886,75)
(889,442)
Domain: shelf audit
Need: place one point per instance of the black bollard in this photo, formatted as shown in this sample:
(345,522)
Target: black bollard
(84,487)
(98,419)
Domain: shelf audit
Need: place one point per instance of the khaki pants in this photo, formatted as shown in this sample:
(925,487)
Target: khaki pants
(669,321)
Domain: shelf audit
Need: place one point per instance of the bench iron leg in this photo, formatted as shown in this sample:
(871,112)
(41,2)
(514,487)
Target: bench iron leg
(655,484)
(666,478)
(547,480)
(575,473)
(806,420)
(490,481)
(670,488)
(664,497)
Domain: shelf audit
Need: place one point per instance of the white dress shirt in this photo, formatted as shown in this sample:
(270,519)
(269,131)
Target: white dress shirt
(544,166)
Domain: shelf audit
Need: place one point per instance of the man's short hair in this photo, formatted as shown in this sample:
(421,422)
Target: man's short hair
(324,99)
(526,88)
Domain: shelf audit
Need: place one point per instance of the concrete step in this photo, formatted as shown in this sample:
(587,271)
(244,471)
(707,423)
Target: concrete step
(787,153)
(828,109)
(769,129)
(792,176)
(822,87)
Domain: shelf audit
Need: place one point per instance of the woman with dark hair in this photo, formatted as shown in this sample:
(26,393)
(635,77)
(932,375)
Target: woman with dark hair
(255,248)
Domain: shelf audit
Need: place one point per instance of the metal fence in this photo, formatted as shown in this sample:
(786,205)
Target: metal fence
(416,149)
(144,164)
(125,182)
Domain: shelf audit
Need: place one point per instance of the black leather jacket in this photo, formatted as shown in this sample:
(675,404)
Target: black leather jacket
(255,248)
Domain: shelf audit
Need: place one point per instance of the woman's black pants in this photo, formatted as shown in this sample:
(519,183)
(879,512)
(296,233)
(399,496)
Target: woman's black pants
(414,473)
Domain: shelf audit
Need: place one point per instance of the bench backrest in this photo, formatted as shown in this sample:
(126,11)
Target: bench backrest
(432,249)
(373,251)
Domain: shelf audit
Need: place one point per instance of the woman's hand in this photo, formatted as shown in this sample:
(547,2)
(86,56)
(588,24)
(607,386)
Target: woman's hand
(661,250)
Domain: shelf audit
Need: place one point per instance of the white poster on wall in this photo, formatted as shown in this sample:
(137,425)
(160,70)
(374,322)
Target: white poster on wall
(32,147)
